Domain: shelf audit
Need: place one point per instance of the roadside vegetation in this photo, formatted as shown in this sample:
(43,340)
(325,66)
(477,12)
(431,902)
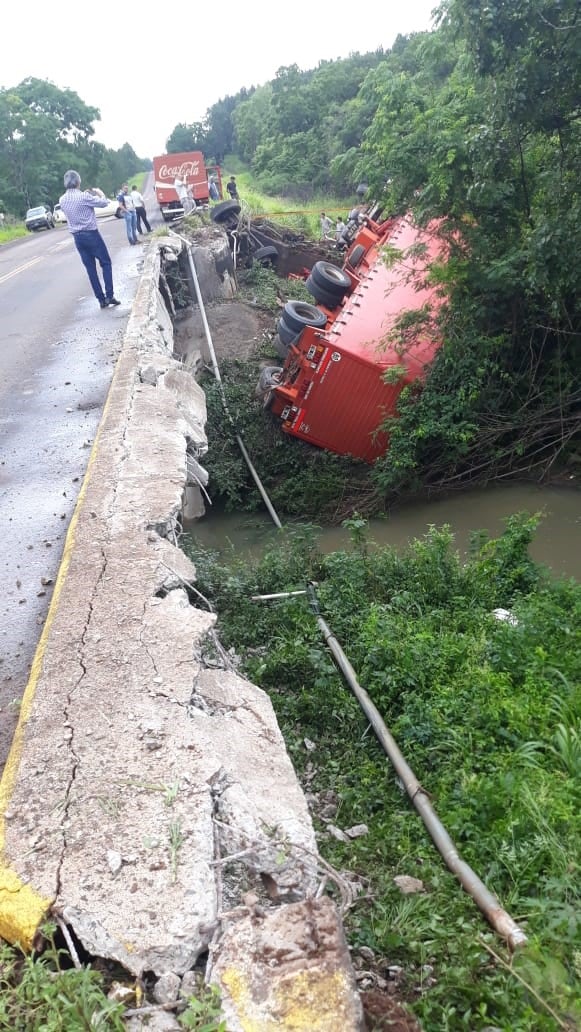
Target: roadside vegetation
(48,994)
(43,131)
(488,714)
(12,231)
(475,125)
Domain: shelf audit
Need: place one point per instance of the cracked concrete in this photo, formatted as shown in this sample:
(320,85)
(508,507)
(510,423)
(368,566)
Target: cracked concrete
(137,800)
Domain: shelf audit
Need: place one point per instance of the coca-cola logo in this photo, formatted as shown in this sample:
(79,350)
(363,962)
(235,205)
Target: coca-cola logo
(188,168)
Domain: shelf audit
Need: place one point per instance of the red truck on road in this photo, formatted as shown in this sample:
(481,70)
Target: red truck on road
(191,169)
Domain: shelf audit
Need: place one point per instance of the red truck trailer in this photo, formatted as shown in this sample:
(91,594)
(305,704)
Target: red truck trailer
(192,170)
(335,388)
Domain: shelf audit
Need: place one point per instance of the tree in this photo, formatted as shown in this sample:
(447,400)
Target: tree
(45,130)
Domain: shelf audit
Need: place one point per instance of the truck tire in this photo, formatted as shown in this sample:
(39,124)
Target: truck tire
(280,348)
(322,296)
(267,380)
(298,314)
(287,335)
(356,255)
(331,278)
(226,211)
(267,255)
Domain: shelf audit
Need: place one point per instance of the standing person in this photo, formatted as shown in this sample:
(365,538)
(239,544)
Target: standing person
(140,212)
(232,188)
(213,189)
(190,205)
(341,233)
(182,192)
(79,208)
(326,226)
(129,214)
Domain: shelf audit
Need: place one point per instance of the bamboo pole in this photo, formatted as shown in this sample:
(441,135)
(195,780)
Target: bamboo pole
(488,903)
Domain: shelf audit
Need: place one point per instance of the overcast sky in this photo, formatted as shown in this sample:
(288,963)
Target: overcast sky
(148,67)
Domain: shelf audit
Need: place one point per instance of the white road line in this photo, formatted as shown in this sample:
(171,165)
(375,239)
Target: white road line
(59,247)
(20,268)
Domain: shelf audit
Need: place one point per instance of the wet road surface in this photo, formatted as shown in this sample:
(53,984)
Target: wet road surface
(56,362)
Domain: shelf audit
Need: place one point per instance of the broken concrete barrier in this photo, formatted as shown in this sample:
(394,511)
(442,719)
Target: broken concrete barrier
(137,802)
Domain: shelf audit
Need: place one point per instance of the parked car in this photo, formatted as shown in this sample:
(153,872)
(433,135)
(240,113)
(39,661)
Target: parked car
(39,218)
(59,215)
(113,208)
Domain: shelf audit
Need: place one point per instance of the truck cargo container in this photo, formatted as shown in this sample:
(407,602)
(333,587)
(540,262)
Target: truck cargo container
(373,332)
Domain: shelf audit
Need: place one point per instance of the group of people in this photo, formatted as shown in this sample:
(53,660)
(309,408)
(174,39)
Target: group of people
(134,213)
(79,210)
(342,232)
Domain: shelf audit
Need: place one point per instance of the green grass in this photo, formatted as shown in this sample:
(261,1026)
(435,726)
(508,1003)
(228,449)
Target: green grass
(12,232)
(487,714)
(47,994)
(307,219)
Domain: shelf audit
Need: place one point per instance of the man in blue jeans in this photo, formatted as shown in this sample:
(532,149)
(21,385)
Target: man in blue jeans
(79,208)
(129,213)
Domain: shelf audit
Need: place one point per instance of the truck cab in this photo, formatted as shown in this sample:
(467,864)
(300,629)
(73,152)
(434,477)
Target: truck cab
(191,169)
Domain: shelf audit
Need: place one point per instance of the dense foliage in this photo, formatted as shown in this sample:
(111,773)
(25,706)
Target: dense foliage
(44,131)
(299,133)
(481,129)
(488,714)
(476,125)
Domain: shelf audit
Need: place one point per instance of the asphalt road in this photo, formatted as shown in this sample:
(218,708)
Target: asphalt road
(56,362)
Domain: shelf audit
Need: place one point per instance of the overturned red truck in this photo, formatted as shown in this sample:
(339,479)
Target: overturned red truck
(372,332)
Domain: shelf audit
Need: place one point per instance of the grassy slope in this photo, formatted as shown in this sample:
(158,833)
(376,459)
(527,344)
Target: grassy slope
(488,715)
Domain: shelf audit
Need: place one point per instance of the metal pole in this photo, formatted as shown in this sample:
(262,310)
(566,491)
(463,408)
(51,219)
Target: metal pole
(488,903)
(271,510)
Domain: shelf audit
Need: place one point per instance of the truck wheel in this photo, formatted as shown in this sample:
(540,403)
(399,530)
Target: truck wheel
(356,255)
(287,335)
(267,255)
(298,314)
(280,348)
(225,211)
(331,278)
(322,296)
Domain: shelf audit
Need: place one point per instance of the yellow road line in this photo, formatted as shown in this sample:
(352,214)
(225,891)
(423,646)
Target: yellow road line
(20,268)
(22,909)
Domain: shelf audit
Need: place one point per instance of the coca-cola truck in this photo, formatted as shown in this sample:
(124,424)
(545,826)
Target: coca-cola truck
(190,169)
(373,332)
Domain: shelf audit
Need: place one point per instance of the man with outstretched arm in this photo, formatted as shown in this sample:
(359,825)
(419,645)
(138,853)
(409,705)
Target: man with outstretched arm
(79,208)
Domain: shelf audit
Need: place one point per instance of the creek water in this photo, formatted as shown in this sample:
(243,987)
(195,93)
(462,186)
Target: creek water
(557,543)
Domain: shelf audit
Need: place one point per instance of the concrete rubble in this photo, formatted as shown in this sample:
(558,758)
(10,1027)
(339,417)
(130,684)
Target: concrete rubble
(137,802)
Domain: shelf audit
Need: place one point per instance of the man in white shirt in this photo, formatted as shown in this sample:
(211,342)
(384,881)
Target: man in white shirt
(130,215)
(184,194)
(140,211)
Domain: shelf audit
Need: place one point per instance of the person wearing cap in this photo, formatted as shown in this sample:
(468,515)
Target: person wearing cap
(79,208)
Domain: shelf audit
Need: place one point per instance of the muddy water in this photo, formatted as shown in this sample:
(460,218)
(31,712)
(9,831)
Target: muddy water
(557,543)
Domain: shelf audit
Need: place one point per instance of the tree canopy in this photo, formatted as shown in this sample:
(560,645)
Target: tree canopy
(43,131)
(476,124)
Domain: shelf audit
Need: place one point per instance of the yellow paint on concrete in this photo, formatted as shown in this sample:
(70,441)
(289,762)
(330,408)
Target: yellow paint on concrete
(22,909)
(311,1000)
